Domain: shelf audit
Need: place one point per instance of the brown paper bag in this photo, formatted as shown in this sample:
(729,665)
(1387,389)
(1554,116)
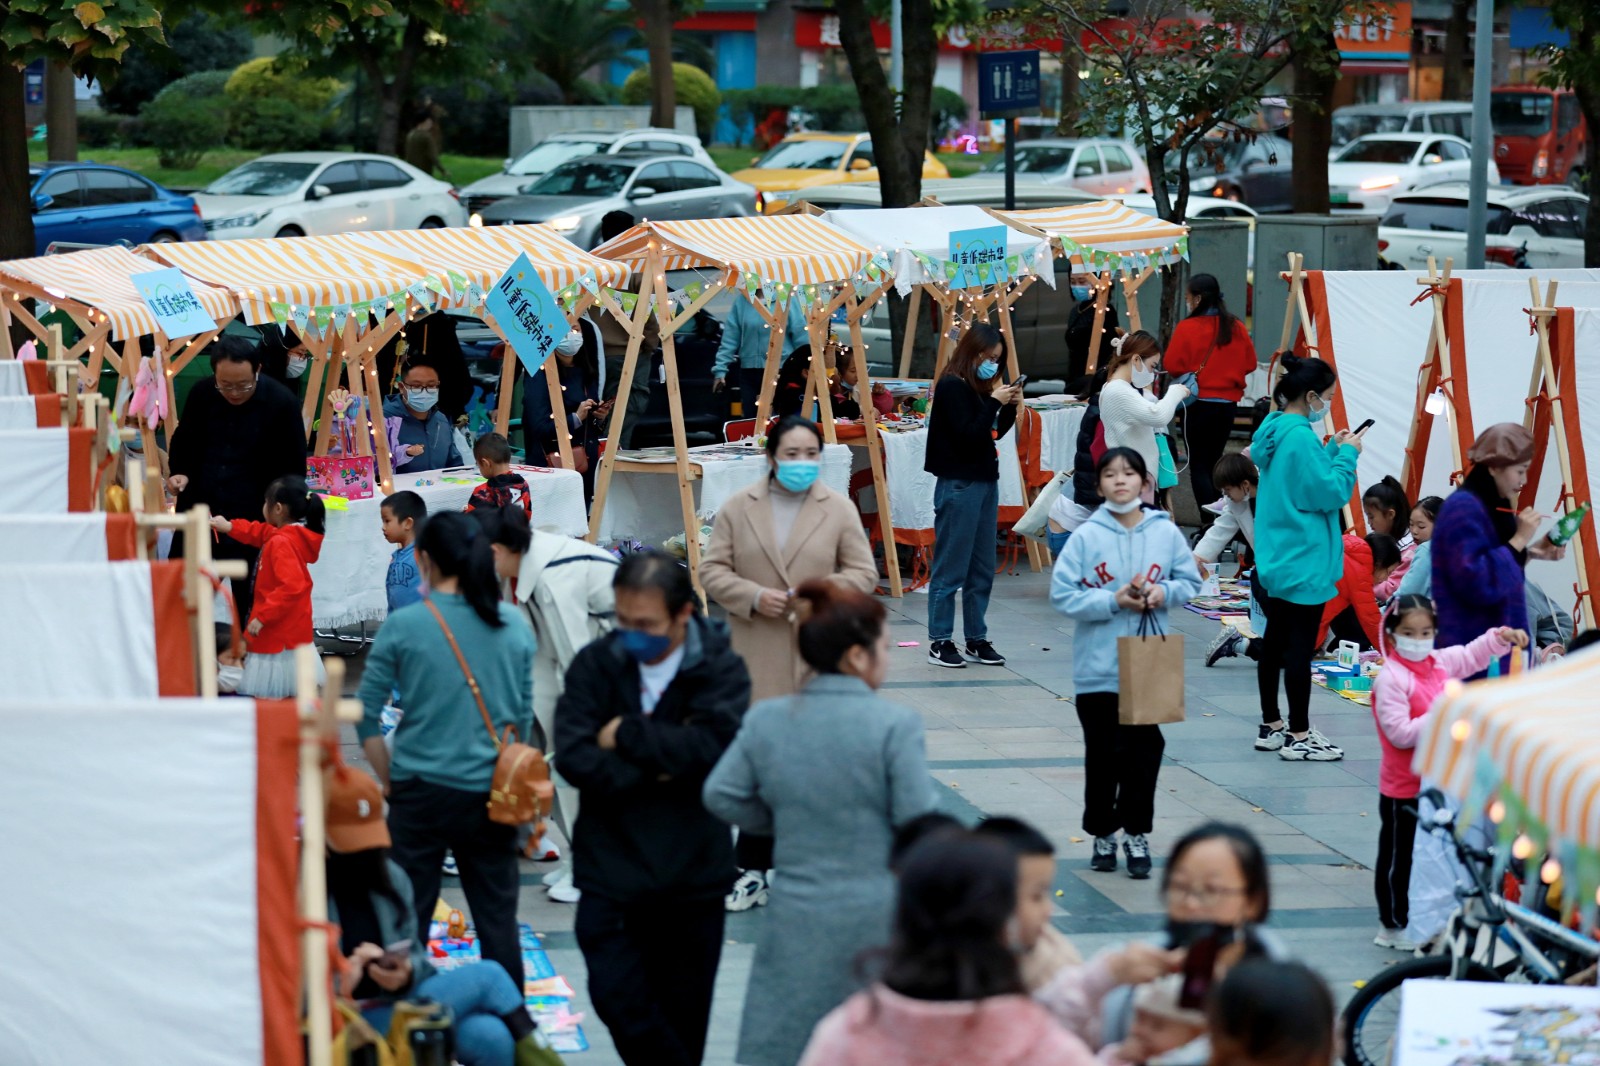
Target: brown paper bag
(1150,675)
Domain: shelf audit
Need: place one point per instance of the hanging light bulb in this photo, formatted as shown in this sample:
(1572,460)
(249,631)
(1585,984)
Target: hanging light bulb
(1522,848)
(1550,871)
(1460,731)
(1434,404)
(1497,812)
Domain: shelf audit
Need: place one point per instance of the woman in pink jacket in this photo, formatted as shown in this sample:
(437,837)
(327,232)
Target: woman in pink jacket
(949,992)
(1413,676)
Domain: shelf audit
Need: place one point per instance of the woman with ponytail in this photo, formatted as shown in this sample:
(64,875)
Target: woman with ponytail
(831,773)
(443,763)
(1131,418)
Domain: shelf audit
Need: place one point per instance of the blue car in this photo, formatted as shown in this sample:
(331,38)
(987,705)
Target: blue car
(84,203)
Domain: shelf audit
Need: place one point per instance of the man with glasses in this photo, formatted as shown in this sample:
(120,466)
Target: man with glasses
(238,433)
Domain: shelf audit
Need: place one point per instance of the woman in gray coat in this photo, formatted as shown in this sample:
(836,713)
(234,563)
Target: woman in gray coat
(830,772)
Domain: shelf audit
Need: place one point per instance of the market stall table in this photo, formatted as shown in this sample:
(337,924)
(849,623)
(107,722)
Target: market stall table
(347,582)
(911,487)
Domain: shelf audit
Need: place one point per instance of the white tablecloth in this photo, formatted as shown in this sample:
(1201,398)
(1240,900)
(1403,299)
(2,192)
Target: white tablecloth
(645,507)
(911,487)
(347,581)
(1058,439)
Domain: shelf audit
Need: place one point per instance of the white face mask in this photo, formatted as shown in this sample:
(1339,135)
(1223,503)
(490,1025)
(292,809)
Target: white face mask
(570,344)
(1143,377)
(1124,508)
(1414,648)
(297,366)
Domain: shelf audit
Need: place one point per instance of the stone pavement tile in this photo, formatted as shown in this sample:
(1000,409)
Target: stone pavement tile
(1353,836)
(1267,770)
(1366,769)
(1324,799)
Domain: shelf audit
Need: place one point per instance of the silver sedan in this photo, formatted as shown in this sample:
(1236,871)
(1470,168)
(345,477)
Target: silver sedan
(575,196)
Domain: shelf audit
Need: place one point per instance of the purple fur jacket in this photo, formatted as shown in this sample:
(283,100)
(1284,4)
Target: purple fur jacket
(1477,578)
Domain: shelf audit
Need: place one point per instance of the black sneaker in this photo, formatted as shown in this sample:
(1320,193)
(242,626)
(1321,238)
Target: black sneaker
(1137,847)
(1225,646)
(1105,854)
(943,653)
(983,653)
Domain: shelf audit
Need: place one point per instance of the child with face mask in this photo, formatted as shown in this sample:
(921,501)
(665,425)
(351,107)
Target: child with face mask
(1413,675)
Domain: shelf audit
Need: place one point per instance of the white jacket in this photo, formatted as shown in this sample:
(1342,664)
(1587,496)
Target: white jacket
(564,585)
(1232,520)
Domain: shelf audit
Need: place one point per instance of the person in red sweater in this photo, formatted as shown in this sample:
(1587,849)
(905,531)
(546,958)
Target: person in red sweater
(1214,346)
(1353,613)
(290,539)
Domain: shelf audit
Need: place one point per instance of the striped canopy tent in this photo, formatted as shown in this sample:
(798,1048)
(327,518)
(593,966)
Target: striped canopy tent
(1106,234)
(918,240)
(1526,748)
(779,250)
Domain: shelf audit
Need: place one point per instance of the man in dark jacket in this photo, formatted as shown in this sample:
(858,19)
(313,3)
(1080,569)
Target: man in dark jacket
(647,712)
(239,432)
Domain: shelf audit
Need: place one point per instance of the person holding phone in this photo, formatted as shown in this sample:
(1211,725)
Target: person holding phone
(1130,417)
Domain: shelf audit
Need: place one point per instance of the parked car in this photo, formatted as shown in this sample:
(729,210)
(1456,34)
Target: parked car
(1372,170)
(1540,136)
(984,190)
(298,194)
(1548,221)
(85,203)
(1258,172)
(1439,116)
(1205,207)
(802,160)
(573,197)
(563,147)
(1109,168)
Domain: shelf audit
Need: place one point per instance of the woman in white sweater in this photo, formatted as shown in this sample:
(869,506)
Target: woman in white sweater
(1130,417)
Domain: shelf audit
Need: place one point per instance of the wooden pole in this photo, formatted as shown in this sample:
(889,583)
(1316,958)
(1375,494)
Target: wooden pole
(316,722)
(908,342)
(1102,297)
(869,416)
(656,279)
(947,324)
(619,410)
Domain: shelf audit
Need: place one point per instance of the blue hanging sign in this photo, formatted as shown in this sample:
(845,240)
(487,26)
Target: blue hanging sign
(172,301)
(979,256)
(527,313)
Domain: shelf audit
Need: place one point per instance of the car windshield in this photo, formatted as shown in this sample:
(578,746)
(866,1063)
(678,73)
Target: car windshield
(1379,151)
(804,155)
(543,158)
(1036,159)
(1211,157)
(262,178)
(1442,216)
(1347,128)
(1520,114)
(587,178)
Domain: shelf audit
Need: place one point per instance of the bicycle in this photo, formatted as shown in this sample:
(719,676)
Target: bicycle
(1373,1014)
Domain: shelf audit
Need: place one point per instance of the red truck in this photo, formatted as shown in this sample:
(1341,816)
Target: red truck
(1540,137)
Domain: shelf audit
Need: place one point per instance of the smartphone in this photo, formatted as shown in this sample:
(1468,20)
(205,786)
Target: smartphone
(1363,427)
(394,954)
(1199,966)
(1022,379)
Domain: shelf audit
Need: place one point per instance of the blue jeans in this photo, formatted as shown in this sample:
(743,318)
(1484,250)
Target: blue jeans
(1056,540)
(966,519)
(479,995)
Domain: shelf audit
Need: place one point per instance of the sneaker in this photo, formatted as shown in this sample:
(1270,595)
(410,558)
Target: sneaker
(1268,738)
(983,653)
(1313,748)
(1395,940)
(541,849)
(749,891)
(450,867)
(943,653)
(1137,848)
(1225,646)
(556,876)
(1105,854)
(564,891)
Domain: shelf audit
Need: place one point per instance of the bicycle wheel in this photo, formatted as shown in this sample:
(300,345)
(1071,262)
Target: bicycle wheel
(1373,1014)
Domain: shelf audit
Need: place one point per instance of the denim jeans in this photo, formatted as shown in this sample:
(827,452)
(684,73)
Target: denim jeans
(1057,541)
(966,519)
(479,995)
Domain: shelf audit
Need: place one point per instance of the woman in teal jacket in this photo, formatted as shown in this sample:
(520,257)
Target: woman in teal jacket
(1299,550)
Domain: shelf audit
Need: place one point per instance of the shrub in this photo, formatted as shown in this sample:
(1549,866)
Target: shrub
(694,88)
(183,128)
(99,129)
(268,124)
(275,106)
(205,84)
(282,79)
(833,107)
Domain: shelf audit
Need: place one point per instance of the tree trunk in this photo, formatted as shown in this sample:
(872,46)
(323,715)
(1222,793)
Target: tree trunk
(60,113)
(1453,86)
(393,89)
(877,101)
(1067,123)
(1315,76)
(657,17)
(16,222)
(920,40)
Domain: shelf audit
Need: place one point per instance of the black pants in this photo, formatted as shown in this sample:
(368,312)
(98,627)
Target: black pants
(1207,426)
(426,819)
(1120,765)
(638,400)
(652,965)
(1391,874)
(750,389)
(1287,647)
(753,851)
(1346,626)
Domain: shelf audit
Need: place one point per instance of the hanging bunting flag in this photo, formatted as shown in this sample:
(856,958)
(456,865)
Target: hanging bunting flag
(300,316)
(629,301)
(380,308)
(280,312)
(589,283)
(693,290)
(432,281)
(458,280)
(324,319)
(339,316)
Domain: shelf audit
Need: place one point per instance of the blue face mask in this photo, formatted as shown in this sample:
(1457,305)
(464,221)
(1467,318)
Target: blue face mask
(1080,293)
(987,370)
(644,647)
(798,475)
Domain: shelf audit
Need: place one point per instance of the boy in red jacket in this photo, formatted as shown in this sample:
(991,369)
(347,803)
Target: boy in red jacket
(1353,613)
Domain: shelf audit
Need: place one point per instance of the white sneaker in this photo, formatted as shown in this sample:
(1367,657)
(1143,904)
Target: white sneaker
(450,868)
(1313,747)
(1395,940)
(564,891)
(749,891)
(556,876)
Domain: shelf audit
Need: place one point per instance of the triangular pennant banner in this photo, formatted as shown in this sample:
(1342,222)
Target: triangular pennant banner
(280,312)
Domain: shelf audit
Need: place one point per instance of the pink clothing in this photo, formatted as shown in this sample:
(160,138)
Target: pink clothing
(1076,997)
(1391,584)
(1403,694)
(880,1027)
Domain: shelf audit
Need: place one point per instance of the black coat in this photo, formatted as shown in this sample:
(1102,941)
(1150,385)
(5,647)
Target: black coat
(230,453)
(962,429)
(643,832)
(1085,489)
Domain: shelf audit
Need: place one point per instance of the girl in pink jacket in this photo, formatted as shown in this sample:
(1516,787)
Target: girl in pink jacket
(1413,676)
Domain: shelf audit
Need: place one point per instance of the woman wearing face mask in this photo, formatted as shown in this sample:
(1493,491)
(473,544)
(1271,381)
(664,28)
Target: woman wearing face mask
(1129,416)
(578,365)
(767,540)
(1080,331)
(1215,347)
(831,773)
(427,439)
(1299,548)
(970,411)
(1481,543)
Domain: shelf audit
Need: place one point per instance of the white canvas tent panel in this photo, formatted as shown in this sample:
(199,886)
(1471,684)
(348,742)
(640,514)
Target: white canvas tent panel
(905,232)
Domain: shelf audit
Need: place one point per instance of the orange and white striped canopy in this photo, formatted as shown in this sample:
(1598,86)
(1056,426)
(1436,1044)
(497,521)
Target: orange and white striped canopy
(798,249)
(1534,736)
(483,254)
(298,271)
(97,280)
(1105,228)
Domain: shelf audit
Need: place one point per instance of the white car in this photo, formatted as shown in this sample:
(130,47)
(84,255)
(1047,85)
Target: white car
(1373,170)
(300,194)
(560,148)
(1105,167)
(1204,207)
(1547,220)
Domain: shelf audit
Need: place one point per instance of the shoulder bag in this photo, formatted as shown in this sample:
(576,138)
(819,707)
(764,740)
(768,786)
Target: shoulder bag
(521,791)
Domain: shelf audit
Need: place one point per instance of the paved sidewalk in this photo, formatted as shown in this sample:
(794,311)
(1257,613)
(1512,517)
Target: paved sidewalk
(1006,741)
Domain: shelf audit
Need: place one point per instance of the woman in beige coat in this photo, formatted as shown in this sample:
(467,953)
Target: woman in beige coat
(768,539)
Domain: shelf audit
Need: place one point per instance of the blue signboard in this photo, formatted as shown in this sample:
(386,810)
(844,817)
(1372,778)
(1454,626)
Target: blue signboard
(527,313)
(978,257)
(1008,81)
(170,298)
(33,83)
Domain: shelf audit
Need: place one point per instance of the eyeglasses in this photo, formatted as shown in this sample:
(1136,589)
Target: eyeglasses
(237,390)
(1200,895)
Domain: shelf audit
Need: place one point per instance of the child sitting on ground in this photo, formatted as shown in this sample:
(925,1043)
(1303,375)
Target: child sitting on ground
(1352,614)
(1237,478)
(1159,1027)
(502,487)
(402,513)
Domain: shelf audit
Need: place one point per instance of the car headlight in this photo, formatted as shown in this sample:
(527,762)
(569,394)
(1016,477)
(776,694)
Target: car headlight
(1388,181)
(240,221)
(1203,184)
(475,221)
(564,223)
